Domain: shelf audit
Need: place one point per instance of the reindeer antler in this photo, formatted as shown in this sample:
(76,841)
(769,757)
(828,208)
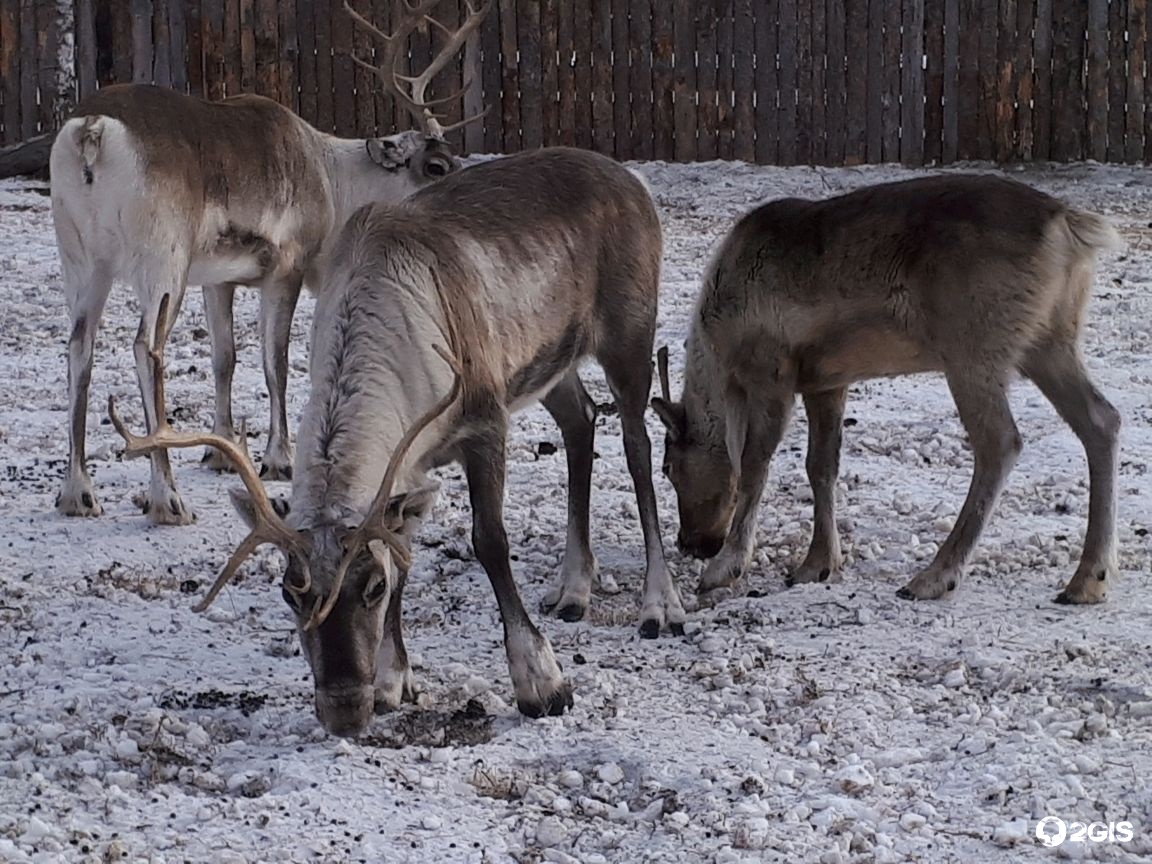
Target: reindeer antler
(395,46)
(269,527)
(662,368)
(373,525)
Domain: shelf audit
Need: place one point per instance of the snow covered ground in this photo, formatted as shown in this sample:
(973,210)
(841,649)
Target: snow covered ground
(820,723)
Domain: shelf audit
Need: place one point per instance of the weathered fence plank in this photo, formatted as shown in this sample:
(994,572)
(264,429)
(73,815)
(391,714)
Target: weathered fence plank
(836,111)
(858,61)
(766,79)
(912,83)
(10,69)
(1117,79)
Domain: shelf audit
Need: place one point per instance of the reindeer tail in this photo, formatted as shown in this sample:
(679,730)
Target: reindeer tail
(1092,233)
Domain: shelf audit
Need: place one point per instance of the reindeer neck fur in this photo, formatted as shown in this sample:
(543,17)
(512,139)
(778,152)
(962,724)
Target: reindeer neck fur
(374,372)
(354,180)
(702,383)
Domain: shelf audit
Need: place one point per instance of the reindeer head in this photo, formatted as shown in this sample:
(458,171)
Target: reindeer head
(700,472)
(414,158)
(341,574)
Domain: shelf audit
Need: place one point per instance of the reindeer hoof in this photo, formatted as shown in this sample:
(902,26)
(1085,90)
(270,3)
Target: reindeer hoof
(929,585)
(80,502)
(571,612)
(171,512)
(392,693)
(269,471)
(214,460)
(559,701)
(1086,587)
(805,575)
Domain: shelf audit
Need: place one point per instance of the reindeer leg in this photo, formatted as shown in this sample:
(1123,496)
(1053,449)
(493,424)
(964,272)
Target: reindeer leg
(825,425)
(575,413)
(162,502)
(755,426)
(536,678)
(631,383)
(1060,375)
(218,308)
(982,400)
(394,684)
(87,294)
(277,306)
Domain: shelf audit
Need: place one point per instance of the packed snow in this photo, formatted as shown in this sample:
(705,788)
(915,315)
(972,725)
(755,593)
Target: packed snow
(823,723)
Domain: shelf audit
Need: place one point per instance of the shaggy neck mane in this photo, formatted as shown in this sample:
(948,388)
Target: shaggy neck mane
(701,392)
(374,372)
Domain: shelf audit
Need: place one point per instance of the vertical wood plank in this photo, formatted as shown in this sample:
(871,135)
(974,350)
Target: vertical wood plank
(706,111)
(180,52)
(473,71)
(141,40)
(248,82)
(10,69)
(640,55)
(566,74)
(837,72)
(583,25)
(1025,16)
(531,107)
(288,80)
(449,83)
(1067,106)
(265,35)
(621,81)
(343,71)
(818,86)
(890,96)
(325,95)
(1096,144)
(804,95)
(124,51)
(366,123)
(786,85)
(684,29)
(509,52)
(724,61)
(161,59)
(47,40)
(874,98)
(1117,78)
(85,47)
(212,38)
(196,55)
(1137,47)
(603,131)
(766,75)
(306,58)
(859,90)
(1005,124)
(744,82)
(933,81)
(986,104)
(968,143)
(492,65)
(912,84)
(1042,65)
(230,62)
(951,86)
(663,81)
(549,71)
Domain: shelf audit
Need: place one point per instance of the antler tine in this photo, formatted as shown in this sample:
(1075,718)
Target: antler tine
(662,368)
(269,527)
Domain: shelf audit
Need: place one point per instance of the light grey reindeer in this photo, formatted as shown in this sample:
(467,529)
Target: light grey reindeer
(162,190)
(518,269)
(977,277)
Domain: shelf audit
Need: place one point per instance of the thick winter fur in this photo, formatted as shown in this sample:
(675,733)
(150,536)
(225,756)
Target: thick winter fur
(540,259)
(161,190)
(978,277)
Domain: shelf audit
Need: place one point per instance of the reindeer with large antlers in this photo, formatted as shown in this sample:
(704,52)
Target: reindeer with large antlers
(519,268)
(163,190)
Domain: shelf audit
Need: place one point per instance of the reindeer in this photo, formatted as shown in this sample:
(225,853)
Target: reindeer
(162,190)
(977,277)
(441,316)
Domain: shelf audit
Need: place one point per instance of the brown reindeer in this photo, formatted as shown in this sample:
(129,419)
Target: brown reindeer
(438,319)
(164,190)
(977,277)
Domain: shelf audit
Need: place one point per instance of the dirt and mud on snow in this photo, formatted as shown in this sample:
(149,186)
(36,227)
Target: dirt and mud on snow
(830,723)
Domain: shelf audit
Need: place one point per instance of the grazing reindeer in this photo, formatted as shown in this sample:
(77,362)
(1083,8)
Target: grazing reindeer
(162,190)
(522,266)
(974,276)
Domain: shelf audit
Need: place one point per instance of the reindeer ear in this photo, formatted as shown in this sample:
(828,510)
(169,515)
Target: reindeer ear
(672,415)
(392,153)
(408,508)
(242,503)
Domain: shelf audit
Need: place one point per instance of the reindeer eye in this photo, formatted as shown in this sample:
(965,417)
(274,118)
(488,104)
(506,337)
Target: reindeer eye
(375,592)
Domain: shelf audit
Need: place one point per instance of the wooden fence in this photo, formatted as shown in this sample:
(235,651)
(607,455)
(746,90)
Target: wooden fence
(772,81)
